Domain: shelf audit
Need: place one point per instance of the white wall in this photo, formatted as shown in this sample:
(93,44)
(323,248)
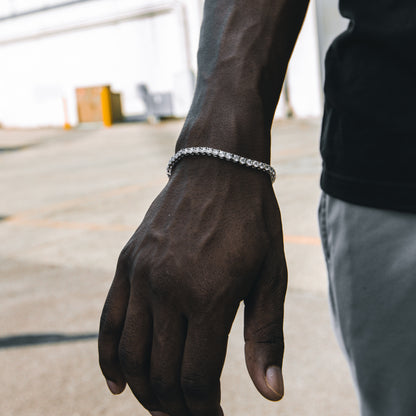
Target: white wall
(303,75)
(45,56)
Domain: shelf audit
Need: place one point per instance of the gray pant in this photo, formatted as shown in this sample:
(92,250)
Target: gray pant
(371,260)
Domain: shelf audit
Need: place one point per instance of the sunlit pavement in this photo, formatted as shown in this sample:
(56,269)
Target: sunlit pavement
(69,201)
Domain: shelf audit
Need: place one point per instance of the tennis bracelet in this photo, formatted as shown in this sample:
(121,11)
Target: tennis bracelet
(231,157)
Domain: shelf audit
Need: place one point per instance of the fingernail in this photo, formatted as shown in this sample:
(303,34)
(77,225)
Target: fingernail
(114,388)
(274,381)
(158,414)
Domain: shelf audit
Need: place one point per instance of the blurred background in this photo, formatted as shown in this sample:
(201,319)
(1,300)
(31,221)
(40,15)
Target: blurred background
(56,54)
(92,97)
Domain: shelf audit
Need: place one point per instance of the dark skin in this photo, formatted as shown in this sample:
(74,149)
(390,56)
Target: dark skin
(213,236)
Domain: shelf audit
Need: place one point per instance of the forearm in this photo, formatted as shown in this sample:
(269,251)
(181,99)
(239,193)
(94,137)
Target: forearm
(244,50)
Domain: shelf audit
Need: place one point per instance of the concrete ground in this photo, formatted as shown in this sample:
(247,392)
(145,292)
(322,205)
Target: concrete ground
(69,202)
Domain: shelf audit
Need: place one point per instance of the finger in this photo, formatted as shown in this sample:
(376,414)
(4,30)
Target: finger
(111,326)
(263,328)
(135,349)
(204,354)
(169,332)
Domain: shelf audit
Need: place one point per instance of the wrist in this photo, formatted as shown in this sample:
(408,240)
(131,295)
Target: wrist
(229,130)
(208,174)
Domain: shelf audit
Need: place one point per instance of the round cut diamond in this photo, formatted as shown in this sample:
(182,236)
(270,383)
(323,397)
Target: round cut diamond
(222,155)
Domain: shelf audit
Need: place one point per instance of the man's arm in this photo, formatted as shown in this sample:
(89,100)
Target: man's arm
(213,236)
(243,54)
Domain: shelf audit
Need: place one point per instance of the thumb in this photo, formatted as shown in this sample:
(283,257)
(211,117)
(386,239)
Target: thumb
(263,328)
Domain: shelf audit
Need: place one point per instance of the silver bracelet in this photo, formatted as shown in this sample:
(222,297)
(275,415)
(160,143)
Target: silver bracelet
(231,157)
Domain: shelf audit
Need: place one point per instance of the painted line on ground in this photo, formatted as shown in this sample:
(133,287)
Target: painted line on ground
(87,226)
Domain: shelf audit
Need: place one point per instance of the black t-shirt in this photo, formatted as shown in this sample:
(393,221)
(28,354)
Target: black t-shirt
(368,141)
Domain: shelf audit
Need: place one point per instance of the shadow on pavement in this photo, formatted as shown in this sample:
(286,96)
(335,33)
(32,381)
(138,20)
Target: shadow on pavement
(25,340)
(14,148)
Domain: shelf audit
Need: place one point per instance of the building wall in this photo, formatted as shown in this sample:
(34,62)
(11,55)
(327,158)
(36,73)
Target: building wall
(303,76)
(46,55)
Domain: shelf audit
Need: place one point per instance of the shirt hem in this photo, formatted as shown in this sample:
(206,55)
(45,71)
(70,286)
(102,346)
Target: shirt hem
(390,196)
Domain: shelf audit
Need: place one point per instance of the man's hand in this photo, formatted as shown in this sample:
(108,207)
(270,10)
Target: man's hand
(211,239)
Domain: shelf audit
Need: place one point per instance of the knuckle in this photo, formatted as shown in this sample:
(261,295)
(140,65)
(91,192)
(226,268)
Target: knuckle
(124,258)
(158,282)
(130,363)
(197,388)
(124,253)
(163,279)
(163,388)
(270,333)
(108,325)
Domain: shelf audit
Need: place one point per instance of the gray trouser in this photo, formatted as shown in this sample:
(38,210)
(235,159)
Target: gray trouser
(371,260)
